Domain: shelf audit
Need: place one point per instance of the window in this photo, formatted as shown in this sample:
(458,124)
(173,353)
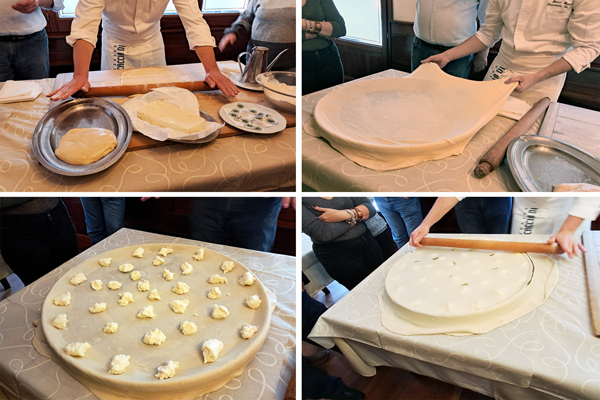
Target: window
(363,20)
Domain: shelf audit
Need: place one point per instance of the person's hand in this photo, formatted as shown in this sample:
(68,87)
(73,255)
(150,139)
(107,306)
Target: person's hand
(148,198)
(286,202)
(217,79)
(74,85)
(332,215)
(440,59)
(480,60)
(26,6)
(418,234)
(567,242)
(525,82)
(226,40)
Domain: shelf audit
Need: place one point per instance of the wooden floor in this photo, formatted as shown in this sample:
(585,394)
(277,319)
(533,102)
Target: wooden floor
(388,383)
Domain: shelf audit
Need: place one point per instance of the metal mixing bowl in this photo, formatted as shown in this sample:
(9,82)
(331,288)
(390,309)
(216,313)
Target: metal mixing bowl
(279,99)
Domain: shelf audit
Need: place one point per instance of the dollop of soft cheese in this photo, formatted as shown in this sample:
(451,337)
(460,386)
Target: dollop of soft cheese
(96,285)
(153,295)
(135,275)
(253,302)
(111,327)
(214,293)
(216,279)
(146,312)
(187,268)
(179,306)
(138,253)
(168,275)
(188,328)
(247,279)
(199,254)
(165,251)
(119,364)
(227,266)
(105,262)
(78,279)
(61,321)
(77,349)
(114,285)
(125,268)
(181,288)
(98,308)
(220,312)
(158,261)
(211,349)
(155,337)
(168,370)
(125,298)
(248,331)
(143,286)
(63,299)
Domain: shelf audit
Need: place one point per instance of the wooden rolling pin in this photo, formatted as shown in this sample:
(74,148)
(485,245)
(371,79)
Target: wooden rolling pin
(517,247)
(495,155)
(128,90)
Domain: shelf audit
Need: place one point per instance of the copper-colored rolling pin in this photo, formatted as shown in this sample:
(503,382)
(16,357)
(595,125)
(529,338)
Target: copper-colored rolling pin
(128,90)
(495,155)
(517,247)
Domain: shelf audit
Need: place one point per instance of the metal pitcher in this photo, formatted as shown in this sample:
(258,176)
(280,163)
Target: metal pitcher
(256,64)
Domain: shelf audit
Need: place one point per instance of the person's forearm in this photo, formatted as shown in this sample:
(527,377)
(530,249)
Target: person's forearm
(441,206)
(206,55)
(470,46)
(571,224)
(82,56)
(308,26)
(46,3)
(556,68)
(365,212)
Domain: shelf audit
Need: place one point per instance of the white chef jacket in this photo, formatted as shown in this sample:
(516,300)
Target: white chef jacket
(13,22)
(448,22)
(538,32)
(135,22)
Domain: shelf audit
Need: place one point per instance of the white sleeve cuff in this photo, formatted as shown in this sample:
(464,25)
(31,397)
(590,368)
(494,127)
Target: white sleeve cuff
(586,208)
(58,5)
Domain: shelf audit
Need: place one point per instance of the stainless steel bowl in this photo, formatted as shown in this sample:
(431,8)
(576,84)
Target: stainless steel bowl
(80,113)
(279,99)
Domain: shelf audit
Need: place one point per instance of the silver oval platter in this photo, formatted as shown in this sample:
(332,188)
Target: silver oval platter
(538,162)
(206,139)
(80,113)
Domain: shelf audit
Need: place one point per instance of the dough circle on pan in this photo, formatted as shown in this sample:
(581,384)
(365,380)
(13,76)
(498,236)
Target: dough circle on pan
(83,146)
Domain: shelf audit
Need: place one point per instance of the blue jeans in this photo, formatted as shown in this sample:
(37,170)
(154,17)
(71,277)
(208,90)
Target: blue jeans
(250,223)
(321,69)
(484,214)
(422,50)
(402,215)
(103,216)
(24,57)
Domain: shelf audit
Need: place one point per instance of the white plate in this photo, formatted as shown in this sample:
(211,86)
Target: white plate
(245,111)
(235,79)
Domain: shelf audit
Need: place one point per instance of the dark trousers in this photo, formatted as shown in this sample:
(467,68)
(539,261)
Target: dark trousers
(103,216)
(350,261)
(35,244)
(317,384)
(321,69)
(484,214)
(24,57)
(422,50)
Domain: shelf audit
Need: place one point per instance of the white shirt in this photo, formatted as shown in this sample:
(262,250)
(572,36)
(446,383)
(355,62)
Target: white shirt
(448,22)
(136,21)
(13,22)
(538,28)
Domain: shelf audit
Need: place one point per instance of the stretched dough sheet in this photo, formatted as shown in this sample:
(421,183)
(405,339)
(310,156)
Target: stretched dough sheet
(386,124)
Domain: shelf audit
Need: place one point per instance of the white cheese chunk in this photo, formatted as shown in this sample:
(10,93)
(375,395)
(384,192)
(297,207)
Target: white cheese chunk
(143,286)
(247,279)
(111,327)
(216,279)
(96,285)
(60,322)
(188,328)
(199,255)
(166,115)
(253,302)
(248,331)
(63,299)
(227,266)
(146,312)
(211,349)
(165,251)
(98,308)
(214,293)
(220,312)
(168,275)
(179,306)
(114,285)
(187,268)
(78,279)
(153,295)
(135,275)
(125,268)
(158,261)
(77,349)
(155,337)
(138,253)
(119,364)
(105,262)
(168,370)
(125,298)
(181,288)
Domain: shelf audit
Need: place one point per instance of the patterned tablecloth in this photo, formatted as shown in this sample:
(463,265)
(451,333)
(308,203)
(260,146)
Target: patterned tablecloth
(247,162)
(547,354)
(325,169)
(26,374)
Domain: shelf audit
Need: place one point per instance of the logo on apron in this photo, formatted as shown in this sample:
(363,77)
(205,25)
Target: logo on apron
(119,56)
(526,227)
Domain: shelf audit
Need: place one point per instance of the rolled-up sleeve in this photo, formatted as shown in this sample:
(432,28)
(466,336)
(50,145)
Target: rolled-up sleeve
(584,28)
(586,208)
(490,31)
(57,5)
(88,15)
(196,28)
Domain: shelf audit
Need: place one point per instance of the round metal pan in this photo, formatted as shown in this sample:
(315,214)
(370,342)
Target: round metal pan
(538,162)
(80,113)
(206,139)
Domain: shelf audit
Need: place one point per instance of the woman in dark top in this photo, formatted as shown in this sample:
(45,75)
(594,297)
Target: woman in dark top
(321,62)
(341,240)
